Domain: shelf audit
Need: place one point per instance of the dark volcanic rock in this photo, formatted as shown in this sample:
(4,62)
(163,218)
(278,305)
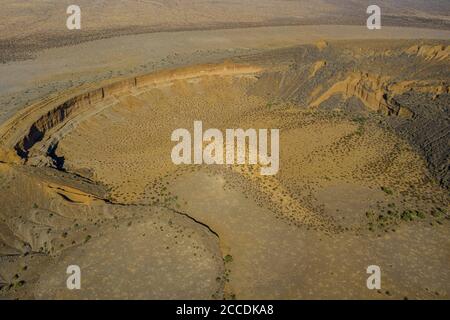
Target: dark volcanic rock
(428,130)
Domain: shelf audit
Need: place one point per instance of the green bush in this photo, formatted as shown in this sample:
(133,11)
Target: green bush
(387,190)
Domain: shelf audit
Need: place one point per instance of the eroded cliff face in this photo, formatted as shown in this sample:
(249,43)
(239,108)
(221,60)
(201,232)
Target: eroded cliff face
(90,169)
(43,124)
(408,84)
(430,52)
(371,89)
(311,76)
(378,92)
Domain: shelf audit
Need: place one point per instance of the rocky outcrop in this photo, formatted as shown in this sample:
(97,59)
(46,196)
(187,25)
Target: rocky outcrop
(430,52)
(378,92)
(316,67)
(321,45)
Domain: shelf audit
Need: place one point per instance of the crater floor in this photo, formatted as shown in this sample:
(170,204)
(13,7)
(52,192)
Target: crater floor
(363,180)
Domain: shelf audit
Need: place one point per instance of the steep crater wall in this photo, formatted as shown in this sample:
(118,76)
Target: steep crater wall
(26,130)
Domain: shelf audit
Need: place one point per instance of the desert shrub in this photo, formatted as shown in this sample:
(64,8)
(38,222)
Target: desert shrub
(387,190)
(407,215)
(420,214)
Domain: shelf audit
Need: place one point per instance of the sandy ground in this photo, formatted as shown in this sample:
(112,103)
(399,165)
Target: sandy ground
(46,19)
